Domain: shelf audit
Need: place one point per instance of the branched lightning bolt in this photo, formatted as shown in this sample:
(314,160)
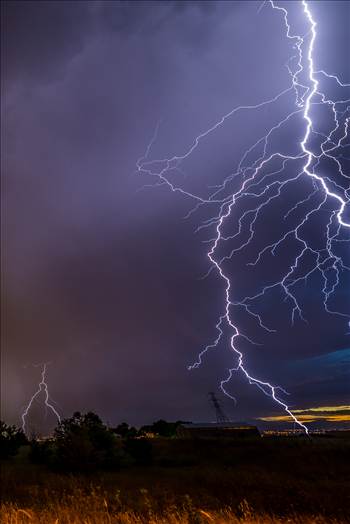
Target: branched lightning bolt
(258,182)
(42,388)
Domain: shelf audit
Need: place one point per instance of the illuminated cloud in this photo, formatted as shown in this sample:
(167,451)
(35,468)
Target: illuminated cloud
(315,414)
(103,278)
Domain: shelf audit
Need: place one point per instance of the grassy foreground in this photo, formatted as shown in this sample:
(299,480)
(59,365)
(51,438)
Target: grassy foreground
(78,514)
(266,481)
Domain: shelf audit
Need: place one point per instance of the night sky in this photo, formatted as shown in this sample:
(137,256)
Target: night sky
(103,279)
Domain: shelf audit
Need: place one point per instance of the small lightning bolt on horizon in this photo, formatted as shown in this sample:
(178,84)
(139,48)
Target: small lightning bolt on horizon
(42,388)
(260,182)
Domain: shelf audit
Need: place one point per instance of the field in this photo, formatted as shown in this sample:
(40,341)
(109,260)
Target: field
(255,481)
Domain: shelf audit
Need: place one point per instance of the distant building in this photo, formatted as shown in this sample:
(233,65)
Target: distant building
(217,430)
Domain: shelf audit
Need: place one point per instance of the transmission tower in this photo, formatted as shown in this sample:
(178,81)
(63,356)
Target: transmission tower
(220,414)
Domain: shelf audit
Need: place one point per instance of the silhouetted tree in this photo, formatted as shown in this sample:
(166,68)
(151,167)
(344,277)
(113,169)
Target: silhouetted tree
(11,439)
(84,443)
(125,431)
(162,428)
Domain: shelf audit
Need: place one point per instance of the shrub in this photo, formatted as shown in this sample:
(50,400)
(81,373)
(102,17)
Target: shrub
(42,452)
(11,439)
(84,443)
(123,430)
(162,428)
(140,449)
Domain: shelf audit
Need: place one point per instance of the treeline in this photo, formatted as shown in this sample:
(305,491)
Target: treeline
(161,428)
(84,443)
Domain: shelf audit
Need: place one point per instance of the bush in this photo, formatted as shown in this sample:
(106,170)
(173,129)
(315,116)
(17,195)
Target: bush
(140,449)
(42,452)
(123,430)
(11,439)
(162,428)
(84,443)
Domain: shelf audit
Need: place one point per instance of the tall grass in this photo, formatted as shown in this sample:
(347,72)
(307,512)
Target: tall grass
(193,483)
(94,509)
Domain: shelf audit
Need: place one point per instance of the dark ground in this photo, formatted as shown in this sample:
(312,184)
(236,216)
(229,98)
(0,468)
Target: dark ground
(278,476)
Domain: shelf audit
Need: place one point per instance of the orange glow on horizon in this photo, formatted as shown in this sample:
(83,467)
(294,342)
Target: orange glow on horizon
(326,413)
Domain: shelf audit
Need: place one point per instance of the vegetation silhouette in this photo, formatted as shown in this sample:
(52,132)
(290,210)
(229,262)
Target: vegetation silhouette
(11,439)
(87,472)
(84,443)
(161,428)
(125,431)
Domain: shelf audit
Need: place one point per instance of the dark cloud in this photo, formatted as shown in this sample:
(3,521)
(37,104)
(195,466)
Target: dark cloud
(103,279)
(39,37)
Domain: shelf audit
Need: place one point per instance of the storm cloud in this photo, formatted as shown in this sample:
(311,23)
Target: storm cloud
(101,277)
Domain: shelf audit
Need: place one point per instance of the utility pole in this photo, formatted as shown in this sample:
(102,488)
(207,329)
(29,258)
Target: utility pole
(220,415)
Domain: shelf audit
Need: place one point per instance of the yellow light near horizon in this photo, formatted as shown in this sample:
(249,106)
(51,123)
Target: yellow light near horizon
(323,408)
(314,414)
(308,418)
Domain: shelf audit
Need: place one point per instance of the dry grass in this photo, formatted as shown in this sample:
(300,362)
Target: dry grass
(190,483)
(95,510)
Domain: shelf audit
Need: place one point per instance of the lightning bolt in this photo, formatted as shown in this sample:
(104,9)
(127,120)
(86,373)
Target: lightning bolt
(42,388)
(258,182)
